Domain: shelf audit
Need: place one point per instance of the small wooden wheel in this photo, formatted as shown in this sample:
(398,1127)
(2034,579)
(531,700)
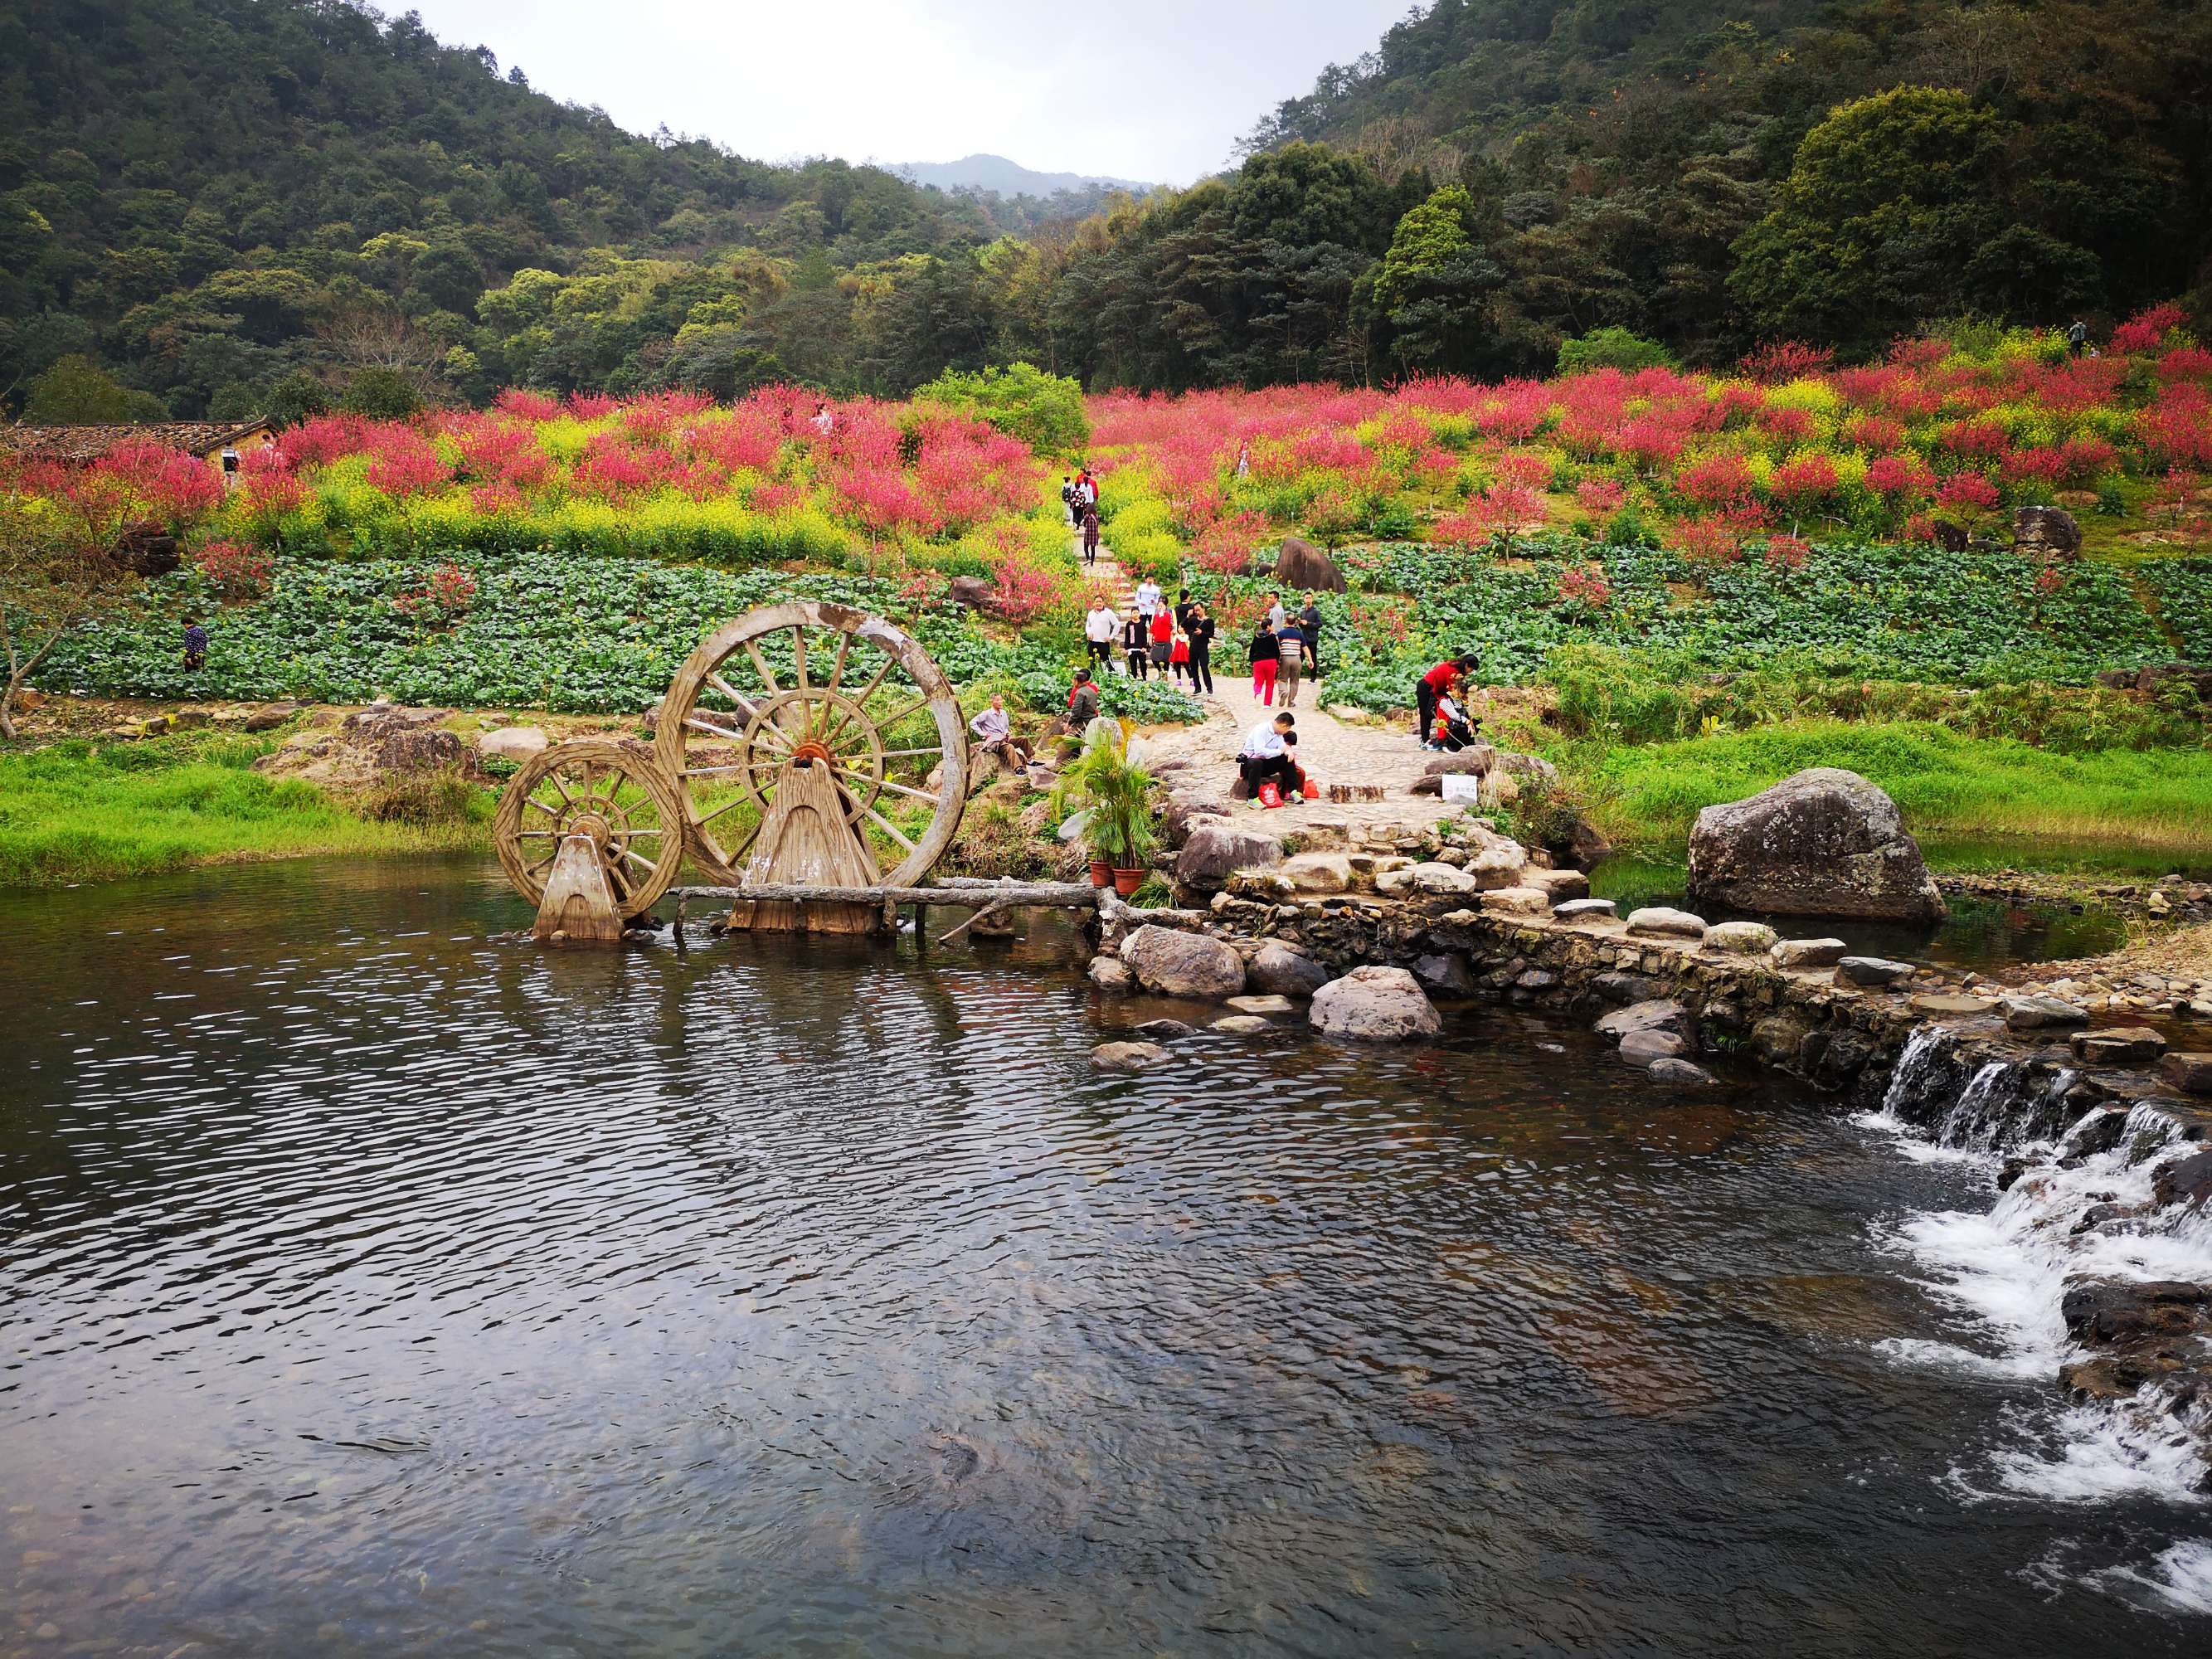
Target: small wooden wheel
(590,787)
(810,683)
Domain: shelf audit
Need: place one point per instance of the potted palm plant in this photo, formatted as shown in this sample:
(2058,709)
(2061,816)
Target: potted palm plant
(1114,793)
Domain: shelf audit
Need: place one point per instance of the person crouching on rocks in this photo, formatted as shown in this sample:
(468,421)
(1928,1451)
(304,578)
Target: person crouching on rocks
(1269,752)
(1433,684)
(1454,729)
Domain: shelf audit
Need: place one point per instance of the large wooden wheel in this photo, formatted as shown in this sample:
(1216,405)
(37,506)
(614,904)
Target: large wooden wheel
(808,683)
(589,787)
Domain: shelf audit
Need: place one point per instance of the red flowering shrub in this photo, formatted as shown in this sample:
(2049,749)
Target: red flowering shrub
(1584,588)
(1787,552)
(1021,593)
(1804,483)
(1967,495)
(236,570)
(402,462)
(525,405)
(2147,330)
(1899,478)
(169,485)
(1783,361)
(1716,481)
(1787,426)
(1599,497)
(1876,434)
(443,596)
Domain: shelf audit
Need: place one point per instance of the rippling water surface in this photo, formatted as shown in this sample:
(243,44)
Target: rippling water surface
(373,1285)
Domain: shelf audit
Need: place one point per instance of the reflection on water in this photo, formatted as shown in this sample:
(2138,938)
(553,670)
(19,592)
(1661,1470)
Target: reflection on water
(371,1284)
(1980,933)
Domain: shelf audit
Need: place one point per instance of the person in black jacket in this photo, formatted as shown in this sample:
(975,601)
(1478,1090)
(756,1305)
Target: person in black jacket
(1137,640)
(1199,628)
(1266,657)
(1309,622)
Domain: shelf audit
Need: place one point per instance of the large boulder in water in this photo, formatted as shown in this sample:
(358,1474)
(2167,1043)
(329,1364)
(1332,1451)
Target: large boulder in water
(1302,566)
(1276,968)
(1826,842)
(1384,1004)
(1175,963)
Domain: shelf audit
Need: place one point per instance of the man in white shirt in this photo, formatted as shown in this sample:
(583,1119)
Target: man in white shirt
(1276,615)
(1268,753)
(995,733)
(1148,598)
(1101,627)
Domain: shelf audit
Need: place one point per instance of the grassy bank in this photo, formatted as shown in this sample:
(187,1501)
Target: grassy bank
(77,811)
(1982,793)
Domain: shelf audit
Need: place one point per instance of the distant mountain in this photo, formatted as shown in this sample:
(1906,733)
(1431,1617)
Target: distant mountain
(996,173)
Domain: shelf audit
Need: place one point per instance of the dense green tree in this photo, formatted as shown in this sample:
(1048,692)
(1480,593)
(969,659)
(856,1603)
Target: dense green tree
(74,388)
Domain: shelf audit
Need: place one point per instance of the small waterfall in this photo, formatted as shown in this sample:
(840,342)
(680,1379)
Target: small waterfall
(2000,1105)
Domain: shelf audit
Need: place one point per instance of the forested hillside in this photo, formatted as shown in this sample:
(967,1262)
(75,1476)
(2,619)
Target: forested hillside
(217,207)
(1637,162)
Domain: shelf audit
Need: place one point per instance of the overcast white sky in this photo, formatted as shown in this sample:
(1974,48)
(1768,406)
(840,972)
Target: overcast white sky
(1155,90)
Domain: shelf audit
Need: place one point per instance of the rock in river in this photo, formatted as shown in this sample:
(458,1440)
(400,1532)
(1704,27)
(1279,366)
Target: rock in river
(1179,964)
(1640,1048)
(1657,921)
(1278,969)
(1656,1015)
(1742,938)
(1873,971)
(1386,1004)
(1109,973)
(2035,1013)
(1679,1074)
(1825,842)
(1809,952)
(1127,1056)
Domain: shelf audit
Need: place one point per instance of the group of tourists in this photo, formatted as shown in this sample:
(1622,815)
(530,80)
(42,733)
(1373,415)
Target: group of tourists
(1172,642)
(1079,494)
(1286,646)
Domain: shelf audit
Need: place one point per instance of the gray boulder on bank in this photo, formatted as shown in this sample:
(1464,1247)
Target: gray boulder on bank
(1175,963)
(1385,1004)
(1304,567)
(1825,842)
(1216,851)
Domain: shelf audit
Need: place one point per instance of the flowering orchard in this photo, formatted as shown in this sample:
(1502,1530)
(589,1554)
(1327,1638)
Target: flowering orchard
(768,480)
(1791,451)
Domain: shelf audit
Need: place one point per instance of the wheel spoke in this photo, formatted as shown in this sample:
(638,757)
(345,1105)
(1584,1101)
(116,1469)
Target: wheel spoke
(885,783)
(799,653)
(881,822)
(734,800)
(639,859)
(837,668)
(888,721)
(746,704)
(844,715)
(713,729)
(933,749)
(532,801)
(768,678)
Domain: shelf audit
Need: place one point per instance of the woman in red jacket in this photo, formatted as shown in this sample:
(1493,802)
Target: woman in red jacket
(1432,685)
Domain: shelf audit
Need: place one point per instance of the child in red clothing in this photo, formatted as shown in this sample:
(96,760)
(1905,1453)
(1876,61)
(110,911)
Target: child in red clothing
(1179,658)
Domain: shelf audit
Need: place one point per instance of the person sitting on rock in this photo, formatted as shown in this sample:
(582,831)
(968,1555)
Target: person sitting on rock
(996,732)
(1082,701)
(1268,753)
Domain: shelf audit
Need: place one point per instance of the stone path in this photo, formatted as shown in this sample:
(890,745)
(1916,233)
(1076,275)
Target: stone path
(1201,759)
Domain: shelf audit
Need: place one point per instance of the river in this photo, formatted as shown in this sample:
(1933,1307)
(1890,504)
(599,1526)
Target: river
(372,1282)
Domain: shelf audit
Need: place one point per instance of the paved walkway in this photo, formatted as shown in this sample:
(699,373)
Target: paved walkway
(1330,750)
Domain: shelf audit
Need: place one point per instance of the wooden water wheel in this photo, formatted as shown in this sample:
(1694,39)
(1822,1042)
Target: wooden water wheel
(617,798)
(810,743)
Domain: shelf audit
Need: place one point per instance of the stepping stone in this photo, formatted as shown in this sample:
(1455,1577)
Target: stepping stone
(1742,938)
(1809,952)
(1163,1030)
(2118,1045)
(1679,1074)
(1941,1006)
(1874,971)
(2037,1013)
(1261,1004)
(2191,1073)
(1659,922)
(1243,1024)
(1585,910)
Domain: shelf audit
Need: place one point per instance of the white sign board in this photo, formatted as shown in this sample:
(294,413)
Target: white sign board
(1462,785)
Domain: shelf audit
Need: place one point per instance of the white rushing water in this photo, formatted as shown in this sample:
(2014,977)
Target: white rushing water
(2003,1271)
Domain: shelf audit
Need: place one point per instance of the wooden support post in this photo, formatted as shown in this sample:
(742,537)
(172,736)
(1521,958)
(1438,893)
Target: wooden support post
(952,933)
(579,906)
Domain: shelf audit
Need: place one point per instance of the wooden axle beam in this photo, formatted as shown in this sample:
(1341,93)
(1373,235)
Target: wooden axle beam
(981,895)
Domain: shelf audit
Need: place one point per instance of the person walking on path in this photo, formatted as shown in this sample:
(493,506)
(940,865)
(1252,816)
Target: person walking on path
(1090,535)
(1179,656)
(1200,629)
(1309,631)
(1161,631)
(196,645)
(1266,658)
(1432,685)
(1068,497)
(1182,608)
(1290,649)
(1148,598)
(1100,625)
(1276,615)
(2077,337)
(1137,643)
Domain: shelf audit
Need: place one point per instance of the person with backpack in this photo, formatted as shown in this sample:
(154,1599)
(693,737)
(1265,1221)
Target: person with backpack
(2077,337)
(1291,650)
(1266,657)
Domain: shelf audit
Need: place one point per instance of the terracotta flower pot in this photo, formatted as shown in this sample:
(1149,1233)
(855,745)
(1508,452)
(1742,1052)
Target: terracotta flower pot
(1101,873)
(1127,882)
